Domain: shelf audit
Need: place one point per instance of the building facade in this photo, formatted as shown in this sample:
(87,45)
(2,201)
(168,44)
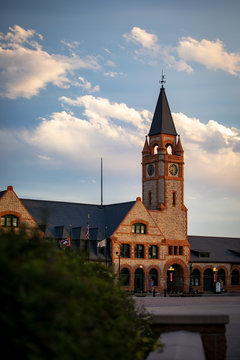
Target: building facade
(146,240)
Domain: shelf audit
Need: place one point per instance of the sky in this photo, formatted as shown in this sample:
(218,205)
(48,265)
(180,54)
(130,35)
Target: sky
(79,80)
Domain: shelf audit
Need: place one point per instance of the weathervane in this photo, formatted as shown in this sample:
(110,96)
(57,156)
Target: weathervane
(163,79)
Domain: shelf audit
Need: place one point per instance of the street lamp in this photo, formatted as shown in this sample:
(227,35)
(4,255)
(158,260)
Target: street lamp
(215,274)
(119,256)
(215,278)
(190,278)
(171,269)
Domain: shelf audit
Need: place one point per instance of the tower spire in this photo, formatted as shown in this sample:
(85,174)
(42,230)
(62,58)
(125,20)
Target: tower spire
(162,122)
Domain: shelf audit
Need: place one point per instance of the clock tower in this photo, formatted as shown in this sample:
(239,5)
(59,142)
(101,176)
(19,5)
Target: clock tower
(163,161)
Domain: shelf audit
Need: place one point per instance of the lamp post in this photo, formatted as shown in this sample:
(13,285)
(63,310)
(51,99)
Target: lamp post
(119,256)
(214,277)
(171,270)
(190,278)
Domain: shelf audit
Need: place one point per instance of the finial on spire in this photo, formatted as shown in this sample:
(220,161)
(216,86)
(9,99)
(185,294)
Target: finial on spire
(163,79)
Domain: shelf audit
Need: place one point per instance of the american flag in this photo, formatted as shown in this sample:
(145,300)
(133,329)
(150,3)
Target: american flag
(87,232)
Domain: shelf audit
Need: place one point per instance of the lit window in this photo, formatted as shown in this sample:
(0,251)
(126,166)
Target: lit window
(169,149)
(9,221)
(139,229)
(139,251)
(125,251)
(153,252)
(195,277)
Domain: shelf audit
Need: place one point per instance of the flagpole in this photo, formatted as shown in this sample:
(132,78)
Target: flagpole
(88,238)
(101,182)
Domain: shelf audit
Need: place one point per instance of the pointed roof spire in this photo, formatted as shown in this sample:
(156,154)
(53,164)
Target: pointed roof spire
(179,148)
(146,149)
(162,122)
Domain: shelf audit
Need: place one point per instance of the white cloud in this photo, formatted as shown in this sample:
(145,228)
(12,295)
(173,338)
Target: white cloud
(107,51)
(150,51)
(97,109)
(211,54)
(117,133)
(110,63)
(141,36)
(111,74)
(147,41)
(26,68)
(71,45)
(43,157)
(86,85)
(17,36)
(211,150)
(105,129)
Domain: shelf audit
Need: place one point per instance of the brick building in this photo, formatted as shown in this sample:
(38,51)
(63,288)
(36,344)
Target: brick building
(145,240)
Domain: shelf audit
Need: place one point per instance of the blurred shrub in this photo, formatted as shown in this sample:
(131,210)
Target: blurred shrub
(55,305)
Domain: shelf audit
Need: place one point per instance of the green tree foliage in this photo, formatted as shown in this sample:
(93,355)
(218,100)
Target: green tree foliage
(55,305)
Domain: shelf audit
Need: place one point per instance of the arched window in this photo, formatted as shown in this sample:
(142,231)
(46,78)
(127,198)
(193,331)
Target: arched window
(195,277)
(124,277)
(153,275)
(208,280)
(139,228)
(221,276)
(169,149)
(139,251)
(9,220)
(155,149)
(125,250)
(235,277)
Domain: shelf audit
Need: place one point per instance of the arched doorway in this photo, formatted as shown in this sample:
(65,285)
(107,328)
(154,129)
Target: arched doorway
(139,280)
(175,279)
(208,280)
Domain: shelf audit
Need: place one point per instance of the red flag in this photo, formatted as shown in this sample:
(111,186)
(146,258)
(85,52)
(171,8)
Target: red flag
(87,232)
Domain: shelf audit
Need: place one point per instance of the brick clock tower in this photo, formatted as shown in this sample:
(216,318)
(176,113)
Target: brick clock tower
(162,161)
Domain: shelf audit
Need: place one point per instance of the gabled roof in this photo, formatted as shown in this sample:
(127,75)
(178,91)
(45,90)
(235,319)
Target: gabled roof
(220,249)
(56,215)
(162,122)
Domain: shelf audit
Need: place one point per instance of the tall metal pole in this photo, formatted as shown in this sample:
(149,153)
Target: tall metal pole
(88,232)
(101,182)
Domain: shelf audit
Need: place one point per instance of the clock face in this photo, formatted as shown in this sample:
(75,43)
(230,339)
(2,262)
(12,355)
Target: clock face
(173,169)
(150,169)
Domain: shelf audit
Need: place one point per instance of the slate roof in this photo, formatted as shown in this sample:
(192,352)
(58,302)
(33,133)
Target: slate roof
(162,122)
(59,216)
(220,249)
(62,219)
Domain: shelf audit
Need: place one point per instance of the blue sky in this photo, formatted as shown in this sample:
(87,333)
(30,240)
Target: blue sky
(79,80)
